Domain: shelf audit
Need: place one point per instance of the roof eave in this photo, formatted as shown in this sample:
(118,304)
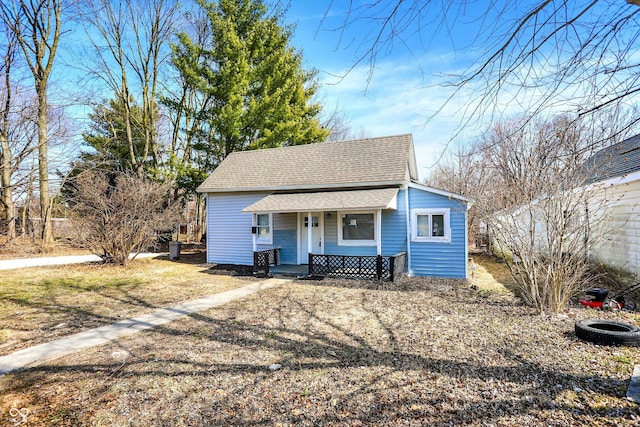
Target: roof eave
(301,187)
(620,179)
(441,192)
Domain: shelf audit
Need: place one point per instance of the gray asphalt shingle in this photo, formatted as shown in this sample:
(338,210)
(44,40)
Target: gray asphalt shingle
(617,160)
(371,161)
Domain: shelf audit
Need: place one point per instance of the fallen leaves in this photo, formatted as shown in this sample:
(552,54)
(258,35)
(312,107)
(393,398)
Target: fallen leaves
(419,352)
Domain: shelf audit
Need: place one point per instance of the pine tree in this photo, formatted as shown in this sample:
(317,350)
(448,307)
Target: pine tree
(259,94)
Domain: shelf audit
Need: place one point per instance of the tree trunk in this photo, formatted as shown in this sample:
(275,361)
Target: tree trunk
(43,168)
(201,218)
(7,190)
(26,216)
(36,26)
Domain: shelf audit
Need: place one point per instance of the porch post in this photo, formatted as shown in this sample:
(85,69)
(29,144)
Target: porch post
(309,233)
(379,231)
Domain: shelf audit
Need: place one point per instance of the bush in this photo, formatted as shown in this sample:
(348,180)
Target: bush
(116,214)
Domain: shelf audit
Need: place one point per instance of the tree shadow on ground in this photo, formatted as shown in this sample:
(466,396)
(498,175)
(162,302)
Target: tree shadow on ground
(373,383)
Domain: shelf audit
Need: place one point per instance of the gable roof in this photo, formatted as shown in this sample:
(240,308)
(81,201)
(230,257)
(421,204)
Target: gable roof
(614,161)
(356,163)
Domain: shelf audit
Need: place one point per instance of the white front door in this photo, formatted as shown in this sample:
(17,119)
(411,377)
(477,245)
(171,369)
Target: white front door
(317,231)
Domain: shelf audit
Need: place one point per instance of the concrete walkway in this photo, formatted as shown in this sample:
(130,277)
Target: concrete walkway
(10,264)
(38,354)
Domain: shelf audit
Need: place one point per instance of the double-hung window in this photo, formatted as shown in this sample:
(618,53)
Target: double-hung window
(430,225)
(263,228)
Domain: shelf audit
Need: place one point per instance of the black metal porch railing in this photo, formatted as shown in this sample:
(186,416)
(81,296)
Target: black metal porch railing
(384,268)
(263,259)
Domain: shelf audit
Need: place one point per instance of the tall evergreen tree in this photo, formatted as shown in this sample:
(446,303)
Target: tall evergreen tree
(107,142)
(260,96)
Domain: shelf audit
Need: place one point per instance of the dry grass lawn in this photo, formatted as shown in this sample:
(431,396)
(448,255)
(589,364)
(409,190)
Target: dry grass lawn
(344,353)
(42,303)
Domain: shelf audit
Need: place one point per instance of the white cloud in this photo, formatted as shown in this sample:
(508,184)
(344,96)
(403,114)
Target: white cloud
(398,100)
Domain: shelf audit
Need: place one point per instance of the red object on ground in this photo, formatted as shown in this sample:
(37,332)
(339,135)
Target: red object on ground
(591,303)
(598,305)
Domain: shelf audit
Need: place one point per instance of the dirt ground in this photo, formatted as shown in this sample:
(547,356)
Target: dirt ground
(345,353)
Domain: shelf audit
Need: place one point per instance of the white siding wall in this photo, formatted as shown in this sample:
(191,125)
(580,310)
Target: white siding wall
(229,239)
(622,247)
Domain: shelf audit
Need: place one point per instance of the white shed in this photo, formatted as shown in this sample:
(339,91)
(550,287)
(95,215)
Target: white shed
(616,170)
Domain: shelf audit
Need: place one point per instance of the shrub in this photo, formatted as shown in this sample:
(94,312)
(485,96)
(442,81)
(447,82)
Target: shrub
(116,215)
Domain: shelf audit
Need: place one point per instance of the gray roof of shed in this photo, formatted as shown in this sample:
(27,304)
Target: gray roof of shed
(617,160)
(356,163)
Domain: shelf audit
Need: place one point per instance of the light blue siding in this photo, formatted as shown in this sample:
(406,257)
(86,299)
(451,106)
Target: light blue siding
(285,236)
(331,233)
(394,228)
(435,258)
(229,238)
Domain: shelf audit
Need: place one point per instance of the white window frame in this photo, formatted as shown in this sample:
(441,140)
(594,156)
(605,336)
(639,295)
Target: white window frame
(343,242)
(268,240)
(446,213)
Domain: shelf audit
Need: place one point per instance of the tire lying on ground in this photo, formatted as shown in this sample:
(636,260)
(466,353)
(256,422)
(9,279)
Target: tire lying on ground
(608,332)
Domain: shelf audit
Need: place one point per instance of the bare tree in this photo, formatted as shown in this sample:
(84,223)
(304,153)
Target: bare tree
(18,133)
(116,215)
(464,173)
(186,104)
(6,158)
(531,188)
(37,26)
(564,56)
(133,41)
(337,124)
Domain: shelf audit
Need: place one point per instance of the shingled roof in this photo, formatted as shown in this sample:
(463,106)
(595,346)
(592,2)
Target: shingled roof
(614,161)
(356,163)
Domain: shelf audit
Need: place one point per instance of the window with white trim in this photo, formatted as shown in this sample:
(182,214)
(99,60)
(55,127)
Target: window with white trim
(430,225)
(263,228)
(357,229)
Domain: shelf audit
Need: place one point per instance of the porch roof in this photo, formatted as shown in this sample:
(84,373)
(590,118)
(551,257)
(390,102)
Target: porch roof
(380,198)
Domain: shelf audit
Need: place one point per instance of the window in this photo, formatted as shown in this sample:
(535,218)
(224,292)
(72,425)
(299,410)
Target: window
(357,229)
(430,225)
(263,228)
(314,221)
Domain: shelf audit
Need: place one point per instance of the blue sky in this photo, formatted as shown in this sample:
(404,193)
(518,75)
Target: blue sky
(403,93)
(407,89)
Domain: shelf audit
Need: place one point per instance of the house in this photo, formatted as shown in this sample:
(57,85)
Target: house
(615,171)
(335,203)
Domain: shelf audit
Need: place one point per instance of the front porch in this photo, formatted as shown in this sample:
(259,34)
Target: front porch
(291,270)
(383,268)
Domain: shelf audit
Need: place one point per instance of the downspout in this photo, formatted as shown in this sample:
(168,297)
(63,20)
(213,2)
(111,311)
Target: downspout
(408,222)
